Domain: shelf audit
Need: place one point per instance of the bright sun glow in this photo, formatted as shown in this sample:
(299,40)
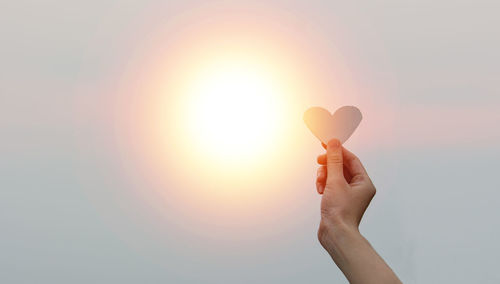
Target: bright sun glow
(214,120)
(235,110)
(225,118)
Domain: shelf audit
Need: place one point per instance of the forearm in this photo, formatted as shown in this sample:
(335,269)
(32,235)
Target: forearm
(354,255)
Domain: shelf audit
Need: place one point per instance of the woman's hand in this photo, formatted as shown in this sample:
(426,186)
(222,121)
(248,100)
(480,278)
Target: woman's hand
(347,191)
(346,187)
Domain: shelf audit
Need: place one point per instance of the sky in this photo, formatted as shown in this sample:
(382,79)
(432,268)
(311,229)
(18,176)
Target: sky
(103,179)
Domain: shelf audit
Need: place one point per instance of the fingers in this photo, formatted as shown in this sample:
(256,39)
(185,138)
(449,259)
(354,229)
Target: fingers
(334,162)
(321,159)
(347,174)
(321,179)
(354,166)
(351,162)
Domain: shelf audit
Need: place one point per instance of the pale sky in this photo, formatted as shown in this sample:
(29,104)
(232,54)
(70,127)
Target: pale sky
(80,203)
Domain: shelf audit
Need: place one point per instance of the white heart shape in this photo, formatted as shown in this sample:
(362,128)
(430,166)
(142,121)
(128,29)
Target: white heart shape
(340,125)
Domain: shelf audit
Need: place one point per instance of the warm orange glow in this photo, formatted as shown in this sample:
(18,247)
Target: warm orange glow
(228,117)
(217,121)
(236,107)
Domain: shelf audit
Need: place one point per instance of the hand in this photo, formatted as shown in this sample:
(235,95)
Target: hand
(347,190)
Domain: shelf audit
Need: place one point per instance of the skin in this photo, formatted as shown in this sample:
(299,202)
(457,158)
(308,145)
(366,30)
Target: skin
(346,191)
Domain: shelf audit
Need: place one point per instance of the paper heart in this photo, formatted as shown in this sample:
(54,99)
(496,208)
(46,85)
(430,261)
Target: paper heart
(340,125)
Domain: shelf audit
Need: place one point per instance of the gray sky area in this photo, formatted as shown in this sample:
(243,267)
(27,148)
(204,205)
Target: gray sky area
(77,205)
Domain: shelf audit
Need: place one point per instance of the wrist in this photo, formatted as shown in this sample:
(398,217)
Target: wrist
(333,232)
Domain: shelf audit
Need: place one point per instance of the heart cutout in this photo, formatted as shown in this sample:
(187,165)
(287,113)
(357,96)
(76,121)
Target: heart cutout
(340,125)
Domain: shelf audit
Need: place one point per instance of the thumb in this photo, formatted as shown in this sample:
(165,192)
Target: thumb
(334,162)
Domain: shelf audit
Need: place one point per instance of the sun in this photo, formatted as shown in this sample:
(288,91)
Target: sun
(223,119)
(234,109)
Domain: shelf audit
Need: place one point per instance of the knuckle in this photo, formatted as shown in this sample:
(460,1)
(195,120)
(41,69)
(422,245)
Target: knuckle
(356,159)
(372,187)
(334,159)
(323,232)
(370,191)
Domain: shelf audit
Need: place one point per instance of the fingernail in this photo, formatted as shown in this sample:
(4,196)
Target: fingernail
(334,143)
(321,189)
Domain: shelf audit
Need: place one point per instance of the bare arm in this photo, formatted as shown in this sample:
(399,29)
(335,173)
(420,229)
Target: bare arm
(347,191)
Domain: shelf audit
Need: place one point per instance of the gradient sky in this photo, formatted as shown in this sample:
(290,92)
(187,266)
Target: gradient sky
(78,203)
